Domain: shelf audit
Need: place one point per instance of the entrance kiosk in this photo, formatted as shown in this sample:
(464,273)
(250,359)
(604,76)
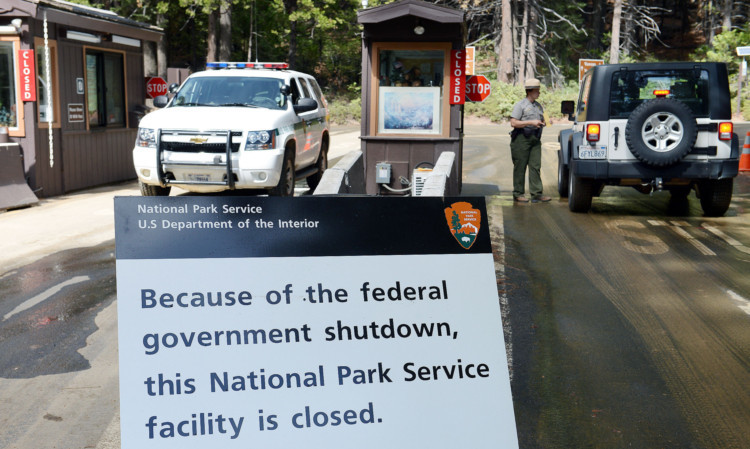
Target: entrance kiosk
(408,118)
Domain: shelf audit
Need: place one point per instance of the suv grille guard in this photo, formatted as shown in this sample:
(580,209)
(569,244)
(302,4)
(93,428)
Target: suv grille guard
(163,180)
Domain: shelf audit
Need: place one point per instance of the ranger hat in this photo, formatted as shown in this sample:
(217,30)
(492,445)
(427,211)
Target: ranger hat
(531,83)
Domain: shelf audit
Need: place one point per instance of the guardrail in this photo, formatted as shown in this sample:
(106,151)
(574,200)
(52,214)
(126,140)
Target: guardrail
(436,180)
(346,177)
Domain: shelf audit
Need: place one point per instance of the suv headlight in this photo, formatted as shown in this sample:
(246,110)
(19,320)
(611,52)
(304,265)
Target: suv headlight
(146,138)
(260,140)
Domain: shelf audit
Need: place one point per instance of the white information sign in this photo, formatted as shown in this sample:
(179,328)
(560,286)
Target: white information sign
(316,322)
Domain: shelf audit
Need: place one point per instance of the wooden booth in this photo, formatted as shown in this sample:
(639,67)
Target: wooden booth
(409,116)
(72,90)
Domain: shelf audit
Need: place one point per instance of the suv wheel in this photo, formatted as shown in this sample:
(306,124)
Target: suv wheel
(563,175)
(321,165)
(285,187)
(715,196)
(150,190)
(580,193)
(661,132)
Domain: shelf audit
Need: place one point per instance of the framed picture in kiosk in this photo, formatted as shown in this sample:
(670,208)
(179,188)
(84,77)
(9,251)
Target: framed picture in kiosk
(409,110)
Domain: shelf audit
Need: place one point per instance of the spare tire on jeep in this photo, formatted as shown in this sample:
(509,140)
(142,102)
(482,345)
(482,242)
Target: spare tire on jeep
(660,132)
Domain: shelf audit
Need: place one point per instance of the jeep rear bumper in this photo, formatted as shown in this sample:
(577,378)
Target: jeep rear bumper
(606,170)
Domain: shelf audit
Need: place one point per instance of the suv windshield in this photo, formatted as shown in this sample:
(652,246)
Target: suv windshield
(231,91)
(631,88)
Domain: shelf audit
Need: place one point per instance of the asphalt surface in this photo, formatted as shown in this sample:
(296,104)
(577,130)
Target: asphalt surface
(577,378)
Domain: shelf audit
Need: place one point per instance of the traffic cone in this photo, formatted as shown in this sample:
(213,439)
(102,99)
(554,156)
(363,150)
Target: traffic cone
(745,156)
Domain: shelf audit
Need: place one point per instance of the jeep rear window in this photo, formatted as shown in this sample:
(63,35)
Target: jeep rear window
(631,88)
(231,91)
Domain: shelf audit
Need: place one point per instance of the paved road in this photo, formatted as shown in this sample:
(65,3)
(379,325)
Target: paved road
(626,325)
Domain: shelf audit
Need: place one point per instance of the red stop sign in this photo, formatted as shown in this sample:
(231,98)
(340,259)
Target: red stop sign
(477,88)
(156,86)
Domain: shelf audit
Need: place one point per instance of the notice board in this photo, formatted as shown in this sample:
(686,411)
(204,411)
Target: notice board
(255,322)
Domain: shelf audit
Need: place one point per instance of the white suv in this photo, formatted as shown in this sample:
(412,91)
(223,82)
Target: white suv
(235,126)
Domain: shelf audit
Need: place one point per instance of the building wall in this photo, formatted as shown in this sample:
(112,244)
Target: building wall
(84,157)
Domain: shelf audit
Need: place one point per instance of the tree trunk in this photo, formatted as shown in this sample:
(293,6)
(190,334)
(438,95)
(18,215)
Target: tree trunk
(522,47)
(212,52)
(225,31)
(614,49)
(161,47)
(532,41)
(290,6)
(726,15)
(505,53)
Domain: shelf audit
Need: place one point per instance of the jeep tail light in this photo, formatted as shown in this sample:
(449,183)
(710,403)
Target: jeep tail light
(592,132)
(725,130)
(661,93)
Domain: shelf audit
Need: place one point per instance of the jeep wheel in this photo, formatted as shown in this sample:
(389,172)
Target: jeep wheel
(580,193)
(563,173)
(285,187)
(661,132)
(150,190)
(321,165)
(715,196)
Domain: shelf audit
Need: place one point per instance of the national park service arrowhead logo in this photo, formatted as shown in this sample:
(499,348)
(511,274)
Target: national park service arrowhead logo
(463,221)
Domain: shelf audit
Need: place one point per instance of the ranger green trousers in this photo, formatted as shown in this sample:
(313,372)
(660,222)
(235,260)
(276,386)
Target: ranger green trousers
(526,152)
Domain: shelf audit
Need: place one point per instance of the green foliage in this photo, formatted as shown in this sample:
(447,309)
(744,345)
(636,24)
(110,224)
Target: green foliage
(498,106)
(345,110)
(723,48)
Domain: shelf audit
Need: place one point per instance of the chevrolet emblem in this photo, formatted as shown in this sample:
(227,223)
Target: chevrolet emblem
(199,139)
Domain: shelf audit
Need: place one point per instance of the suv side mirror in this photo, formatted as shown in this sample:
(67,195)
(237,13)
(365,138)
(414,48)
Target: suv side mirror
(568,107)
(305,105)
(161,101)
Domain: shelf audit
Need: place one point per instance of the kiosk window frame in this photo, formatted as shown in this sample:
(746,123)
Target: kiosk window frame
(106,97)
(431,93)
(9,81)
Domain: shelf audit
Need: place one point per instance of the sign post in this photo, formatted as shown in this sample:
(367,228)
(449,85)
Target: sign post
(585,64)
(741,51)
(156,86)
(302,324)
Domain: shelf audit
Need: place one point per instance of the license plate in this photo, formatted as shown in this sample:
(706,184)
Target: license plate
(592,152)
(199,178)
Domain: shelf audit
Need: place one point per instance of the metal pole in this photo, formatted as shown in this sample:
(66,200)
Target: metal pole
(50,107)
(739,88)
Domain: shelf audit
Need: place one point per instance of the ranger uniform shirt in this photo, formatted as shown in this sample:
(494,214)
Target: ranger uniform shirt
(525,110)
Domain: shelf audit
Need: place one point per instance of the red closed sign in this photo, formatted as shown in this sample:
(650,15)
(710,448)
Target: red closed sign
(458,76)
(478,88)
(27,75)
(156,86)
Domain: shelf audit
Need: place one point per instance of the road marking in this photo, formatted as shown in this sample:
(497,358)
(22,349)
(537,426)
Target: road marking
(29,303)
(694,241)
(741,302)
(732,242)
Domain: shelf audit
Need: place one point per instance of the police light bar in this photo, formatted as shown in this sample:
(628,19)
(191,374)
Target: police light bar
(247,65)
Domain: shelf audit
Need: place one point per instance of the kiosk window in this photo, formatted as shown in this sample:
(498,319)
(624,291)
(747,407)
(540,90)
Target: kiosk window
(105,89)
(411,68)
(8,97)
(409,88)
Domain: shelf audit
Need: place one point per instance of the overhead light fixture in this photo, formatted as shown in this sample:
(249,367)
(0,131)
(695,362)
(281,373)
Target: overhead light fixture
(419,30)
(12,29)
(83,37)
(122,40)
(364,4)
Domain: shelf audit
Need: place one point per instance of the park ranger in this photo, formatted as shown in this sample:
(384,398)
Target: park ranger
(527,120)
